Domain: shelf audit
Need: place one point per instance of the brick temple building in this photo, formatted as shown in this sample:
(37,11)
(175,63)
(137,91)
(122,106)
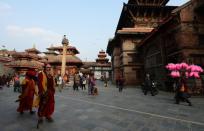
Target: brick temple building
(179,38)
(148,43)
(137,20)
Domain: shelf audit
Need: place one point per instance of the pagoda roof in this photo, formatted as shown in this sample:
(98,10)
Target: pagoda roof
(102,59)
(130,13)
(22,55)
(102,53)
(60,48)
(135,30)
(18,55)
(103,64)
(33,50)
(155,31)
(4,51)
(95,64)
(5,59)
(50,52)
(43,59)
(149,2)
(25,64)
(69,59)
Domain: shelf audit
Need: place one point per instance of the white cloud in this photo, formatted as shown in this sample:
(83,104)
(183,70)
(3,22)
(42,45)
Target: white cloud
(4,8)
(33,32)
(23,38)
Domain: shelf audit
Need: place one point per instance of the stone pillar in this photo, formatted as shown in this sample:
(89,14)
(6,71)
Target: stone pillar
(65,43)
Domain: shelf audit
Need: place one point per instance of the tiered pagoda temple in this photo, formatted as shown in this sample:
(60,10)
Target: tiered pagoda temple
(138,18)
(101,67)
(55,54)
(102,58)
(23,61)
(5,57)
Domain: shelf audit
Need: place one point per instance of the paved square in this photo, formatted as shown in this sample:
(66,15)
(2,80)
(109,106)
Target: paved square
(109,111)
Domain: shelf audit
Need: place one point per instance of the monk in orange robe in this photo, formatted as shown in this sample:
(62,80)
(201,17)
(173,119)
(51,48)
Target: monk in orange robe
(27,95)
(46,93)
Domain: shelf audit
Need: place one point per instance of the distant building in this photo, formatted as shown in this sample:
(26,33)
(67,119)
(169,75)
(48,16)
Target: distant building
(54,57)
(24,61)
(5,57)
(101,67)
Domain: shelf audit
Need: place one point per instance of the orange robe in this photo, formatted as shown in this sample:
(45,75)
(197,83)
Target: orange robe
(27,95)
(47,102)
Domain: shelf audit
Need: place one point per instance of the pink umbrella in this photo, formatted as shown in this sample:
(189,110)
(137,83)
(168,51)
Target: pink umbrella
(171,66)
(175,74)
(184,65)
(178,66)
(195,68)
(194,74)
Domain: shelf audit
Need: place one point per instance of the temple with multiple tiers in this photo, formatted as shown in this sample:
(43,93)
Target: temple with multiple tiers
(5,57)
(138,18)
(54,57)
(101,67)
(149,35)
(24,61)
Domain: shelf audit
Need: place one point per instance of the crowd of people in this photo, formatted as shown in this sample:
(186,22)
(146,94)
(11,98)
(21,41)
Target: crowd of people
(37,89)
(81,80)
(5,80)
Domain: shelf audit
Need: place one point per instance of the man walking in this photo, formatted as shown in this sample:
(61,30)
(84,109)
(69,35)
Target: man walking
(46,93)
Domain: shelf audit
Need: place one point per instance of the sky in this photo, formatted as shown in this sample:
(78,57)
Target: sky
(88,25)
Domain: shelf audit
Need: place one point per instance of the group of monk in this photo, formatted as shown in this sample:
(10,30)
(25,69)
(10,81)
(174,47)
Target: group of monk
(38,90)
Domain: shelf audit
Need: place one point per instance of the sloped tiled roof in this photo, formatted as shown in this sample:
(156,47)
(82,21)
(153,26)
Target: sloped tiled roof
(69,59)
(60,48)
(25,64)
(34,50)
(135,30)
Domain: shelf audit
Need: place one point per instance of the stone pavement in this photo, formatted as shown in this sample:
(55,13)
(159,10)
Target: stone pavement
(109,111)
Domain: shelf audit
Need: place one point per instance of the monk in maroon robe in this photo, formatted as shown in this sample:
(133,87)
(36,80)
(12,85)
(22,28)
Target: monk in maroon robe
(46,93)
(27,95)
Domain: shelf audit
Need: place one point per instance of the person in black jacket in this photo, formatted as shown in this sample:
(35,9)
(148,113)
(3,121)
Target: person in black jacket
(148,85)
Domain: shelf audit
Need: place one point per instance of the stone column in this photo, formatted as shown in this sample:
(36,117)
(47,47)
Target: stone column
(65,43)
